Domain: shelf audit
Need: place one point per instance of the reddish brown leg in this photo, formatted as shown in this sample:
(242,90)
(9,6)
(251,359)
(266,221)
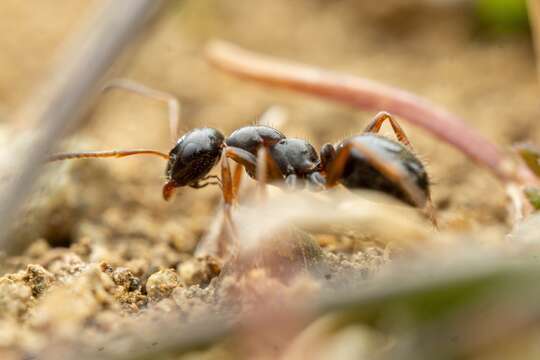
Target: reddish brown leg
(207,180)
(249,161)
(243,157)
(392,172)
(375,126)
(222,237)
(237,179)
(263,166)
(226,181)
(172,102)
(335,168)
(230,191)
(224,246)
(262,172)
(273,172)
(266,170)
(230,184)
(105,154)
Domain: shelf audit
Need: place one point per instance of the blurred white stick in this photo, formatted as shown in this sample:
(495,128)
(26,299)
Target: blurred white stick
(59,104)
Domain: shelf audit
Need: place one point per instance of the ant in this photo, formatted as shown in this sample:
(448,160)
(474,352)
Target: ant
(365,161)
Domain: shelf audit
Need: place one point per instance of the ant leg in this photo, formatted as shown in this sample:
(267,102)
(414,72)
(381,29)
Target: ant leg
(223,245)
(221,238)
(328,155)
(172,102)
(392,172)
(249,161)
(229,184)
(216,180)
(273,171)
(291,181)
(215,177)
(262,172)
(237,179)
(199,185)
(226,182)
(246,159)
(105,154)
(242,157)
(375,125)
(316,181)
(335,167)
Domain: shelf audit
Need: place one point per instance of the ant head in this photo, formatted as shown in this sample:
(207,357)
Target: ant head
(192,158)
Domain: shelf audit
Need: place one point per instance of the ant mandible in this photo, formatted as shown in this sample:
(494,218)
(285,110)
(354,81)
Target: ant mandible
(365,161)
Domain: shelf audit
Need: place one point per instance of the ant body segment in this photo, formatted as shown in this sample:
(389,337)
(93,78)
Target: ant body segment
(365,161)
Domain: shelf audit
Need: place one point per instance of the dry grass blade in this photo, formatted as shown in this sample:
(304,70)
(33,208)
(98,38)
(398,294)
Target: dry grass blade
(59,104)
(368,95)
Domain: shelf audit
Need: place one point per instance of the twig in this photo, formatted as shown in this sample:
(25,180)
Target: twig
(369,95)
(59,104)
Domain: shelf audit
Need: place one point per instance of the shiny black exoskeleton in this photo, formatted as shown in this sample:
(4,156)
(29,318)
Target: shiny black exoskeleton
(198,151)
(359,173)
(193,156)
(297,162)
(251,138)
(296,159)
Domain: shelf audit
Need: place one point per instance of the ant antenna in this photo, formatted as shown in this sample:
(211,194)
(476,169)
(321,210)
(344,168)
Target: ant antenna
(172,102)
(105,154)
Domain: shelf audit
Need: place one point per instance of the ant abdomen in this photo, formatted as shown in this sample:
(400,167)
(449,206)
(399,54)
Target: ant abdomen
(360,172)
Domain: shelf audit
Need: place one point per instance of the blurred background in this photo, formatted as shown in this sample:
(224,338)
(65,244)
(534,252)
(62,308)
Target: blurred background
(433,48)
(474,58)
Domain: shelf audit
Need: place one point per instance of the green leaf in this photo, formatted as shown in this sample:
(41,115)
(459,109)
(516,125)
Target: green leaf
(501,17)
(533,195)
(531,155)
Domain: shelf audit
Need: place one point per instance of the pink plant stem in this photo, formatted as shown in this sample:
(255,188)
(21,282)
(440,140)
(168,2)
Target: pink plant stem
(369,95)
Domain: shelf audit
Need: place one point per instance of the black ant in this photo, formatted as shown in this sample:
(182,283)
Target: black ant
(365,161)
